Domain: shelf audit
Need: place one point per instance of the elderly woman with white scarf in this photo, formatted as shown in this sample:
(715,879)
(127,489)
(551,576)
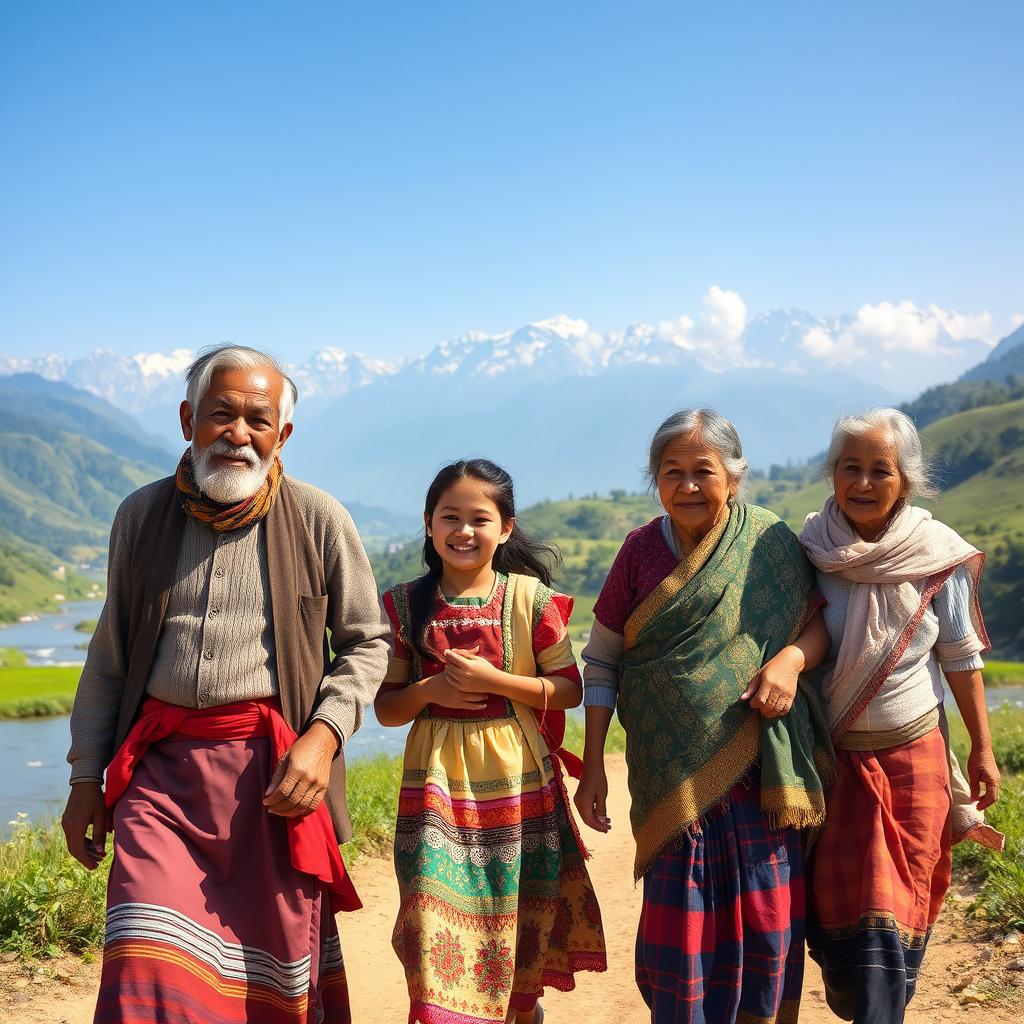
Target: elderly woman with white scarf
(902,592)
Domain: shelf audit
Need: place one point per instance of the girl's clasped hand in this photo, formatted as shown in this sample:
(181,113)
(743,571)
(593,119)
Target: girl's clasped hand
(466,680)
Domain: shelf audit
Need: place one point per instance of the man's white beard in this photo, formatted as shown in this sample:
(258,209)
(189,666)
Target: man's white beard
(228,485)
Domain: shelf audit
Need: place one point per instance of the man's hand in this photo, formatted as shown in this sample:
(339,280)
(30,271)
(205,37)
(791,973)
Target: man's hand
(86,807)
(300,779)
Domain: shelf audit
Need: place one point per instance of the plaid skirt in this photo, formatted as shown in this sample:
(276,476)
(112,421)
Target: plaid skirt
(721,936)
(208,921)
(879,874)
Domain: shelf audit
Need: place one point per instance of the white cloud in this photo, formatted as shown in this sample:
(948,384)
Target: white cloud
(839,348)
(725,314)
(1015,321)
(717,334)
(897,327)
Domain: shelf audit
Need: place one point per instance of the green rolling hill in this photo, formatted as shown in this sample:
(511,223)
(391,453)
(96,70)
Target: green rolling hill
(66,461)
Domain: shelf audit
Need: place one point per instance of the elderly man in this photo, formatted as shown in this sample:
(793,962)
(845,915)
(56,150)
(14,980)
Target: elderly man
(217,707)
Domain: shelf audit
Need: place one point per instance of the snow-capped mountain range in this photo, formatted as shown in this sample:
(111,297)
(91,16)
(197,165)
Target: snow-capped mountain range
(567,407)
(146,380)
(561,346)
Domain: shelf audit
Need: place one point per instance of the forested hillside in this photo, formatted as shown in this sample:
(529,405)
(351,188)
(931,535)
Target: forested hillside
(66,461)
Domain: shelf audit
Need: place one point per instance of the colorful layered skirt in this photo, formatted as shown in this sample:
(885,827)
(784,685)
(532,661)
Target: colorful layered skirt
(209,921)
(879,874)
(721,936)
(496,902)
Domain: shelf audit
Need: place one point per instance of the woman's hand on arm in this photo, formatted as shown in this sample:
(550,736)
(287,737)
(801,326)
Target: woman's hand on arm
(592,792)
(969,692)
(773,689)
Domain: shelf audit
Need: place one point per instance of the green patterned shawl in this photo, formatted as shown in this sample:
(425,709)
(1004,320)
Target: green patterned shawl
(691,649)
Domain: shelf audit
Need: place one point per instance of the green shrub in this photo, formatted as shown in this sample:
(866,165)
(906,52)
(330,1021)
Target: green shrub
(372,786)
(1002,894)
(36,707)
(48,901)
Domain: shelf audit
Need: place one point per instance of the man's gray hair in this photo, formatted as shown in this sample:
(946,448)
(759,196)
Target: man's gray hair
(216,358)
(713,429)
(911,457)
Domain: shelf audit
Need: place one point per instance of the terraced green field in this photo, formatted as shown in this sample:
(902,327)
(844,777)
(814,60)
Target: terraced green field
(27,692)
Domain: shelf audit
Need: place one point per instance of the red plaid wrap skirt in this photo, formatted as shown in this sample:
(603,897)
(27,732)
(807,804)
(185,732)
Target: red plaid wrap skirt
(879,873)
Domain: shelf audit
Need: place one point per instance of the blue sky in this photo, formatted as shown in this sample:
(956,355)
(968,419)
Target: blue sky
(382,176)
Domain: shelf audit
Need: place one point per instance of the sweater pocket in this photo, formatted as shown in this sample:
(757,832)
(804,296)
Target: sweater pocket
(313,616)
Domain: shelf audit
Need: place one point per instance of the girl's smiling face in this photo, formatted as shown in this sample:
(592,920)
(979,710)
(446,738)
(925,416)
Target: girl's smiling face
(868,482)
(466,527)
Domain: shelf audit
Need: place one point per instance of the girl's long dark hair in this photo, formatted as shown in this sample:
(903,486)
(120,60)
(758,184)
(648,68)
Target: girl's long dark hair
(520,553)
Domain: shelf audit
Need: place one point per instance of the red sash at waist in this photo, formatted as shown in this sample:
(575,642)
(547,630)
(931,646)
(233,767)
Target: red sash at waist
(311,840)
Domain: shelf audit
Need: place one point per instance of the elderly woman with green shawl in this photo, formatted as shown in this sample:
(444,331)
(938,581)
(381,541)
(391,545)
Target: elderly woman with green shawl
(703,628)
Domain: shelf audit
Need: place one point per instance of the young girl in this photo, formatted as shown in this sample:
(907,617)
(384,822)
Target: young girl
(496,902)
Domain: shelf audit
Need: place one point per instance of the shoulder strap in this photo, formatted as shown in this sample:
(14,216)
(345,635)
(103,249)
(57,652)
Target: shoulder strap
(400,595)
(522,597)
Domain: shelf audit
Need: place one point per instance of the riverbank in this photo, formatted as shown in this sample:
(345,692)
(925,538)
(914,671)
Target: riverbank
(961,948)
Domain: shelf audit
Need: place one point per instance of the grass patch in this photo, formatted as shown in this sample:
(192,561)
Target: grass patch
(86,626)
(614,744)
(49,903)
(1004,673)
(582,620)
(29,692)
(12,657)
(1001,896)
(372,785)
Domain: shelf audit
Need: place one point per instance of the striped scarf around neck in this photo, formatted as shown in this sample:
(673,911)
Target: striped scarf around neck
(224,518)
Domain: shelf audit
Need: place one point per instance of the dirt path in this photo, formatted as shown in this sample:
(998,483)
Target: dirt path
(64,993)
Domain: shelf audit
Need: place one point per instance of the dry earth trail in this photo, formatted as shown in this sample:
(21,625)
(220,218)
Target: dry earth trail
(378,987)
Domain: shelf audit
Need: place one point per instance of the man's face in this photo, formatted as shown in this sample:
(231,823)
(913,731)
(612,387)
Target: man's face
(236,432)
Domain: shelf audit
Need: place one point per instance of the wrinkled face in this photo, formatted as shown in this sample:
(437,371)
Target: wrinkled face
(868,482)
(693,484)
(466,526)
(236,432)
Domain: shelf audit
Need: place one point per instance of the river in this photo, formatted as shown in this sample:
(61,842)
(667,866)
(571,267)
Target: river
(52,639)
